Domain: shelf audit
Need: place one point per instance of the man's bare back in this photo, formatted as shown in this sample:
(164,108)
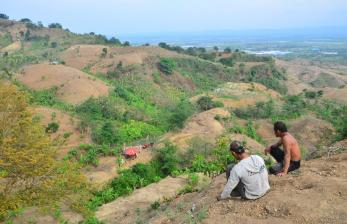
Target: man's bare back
(288,159)
(291,146)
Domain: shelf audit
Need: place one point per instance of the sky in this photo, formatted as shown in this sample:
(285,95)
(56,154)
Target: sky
(112,17)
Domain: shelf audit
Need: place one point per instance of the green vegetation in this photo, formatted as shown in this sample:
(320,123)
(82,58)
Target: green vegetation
(5,40)
(167,65)
(206,103)
(3,16)
(249,130)
(52,127)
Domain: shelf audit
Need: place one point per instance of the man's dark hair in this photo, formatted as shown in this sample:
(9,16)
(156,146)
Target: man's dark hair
(237,147)
(280,126)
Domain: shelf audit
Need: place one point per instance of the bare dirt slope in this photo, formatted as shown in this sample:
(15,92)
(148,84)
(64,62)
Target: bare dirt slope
(12,47)
(236,95)
(108,167)
(81,56)
(316,194)
(67,125)
(123,210)
(202,125)
(73,85)
(312,133)
(302,74)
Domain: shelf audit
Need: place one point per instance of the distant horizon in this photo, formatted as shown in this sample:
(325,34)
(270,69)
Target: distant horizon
(134,17)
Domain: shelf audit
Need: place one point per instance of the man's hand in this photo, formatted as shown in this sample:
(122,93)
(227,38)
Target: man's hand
(281,174)
(267,150)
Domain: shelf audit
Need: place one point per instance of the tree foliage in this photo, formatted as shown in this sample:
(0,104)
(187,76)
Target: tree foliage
(29,172)
(167,66)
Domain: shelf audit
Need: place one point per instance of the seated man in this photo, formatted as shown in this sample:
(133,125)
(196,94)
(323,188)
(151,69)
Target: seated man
(287,159)
(248,178)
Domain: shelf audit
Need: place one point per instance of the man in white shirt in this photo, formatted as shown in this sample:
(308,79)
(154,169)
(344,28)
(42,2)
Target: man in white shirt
(248,178)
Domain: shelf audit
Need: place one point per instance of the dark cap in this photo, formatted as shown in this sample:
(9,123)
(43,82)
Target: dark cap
(237,147)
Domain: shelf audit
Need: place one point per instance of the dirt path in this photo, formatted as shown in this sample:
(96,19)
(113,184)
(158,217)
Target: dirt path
(202,125)
(123,210)
(108,167)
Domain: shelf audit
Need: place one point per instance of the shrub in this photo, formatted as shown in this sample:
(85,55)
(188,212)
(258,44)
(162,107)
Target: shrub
(52,127)
(100,108)
(227,61)
(3,16)
(181,113)
(155,205)
(167,65)
(227,50)
(205,103)
(107,134)
(168,158)
(54,44)
(55,25)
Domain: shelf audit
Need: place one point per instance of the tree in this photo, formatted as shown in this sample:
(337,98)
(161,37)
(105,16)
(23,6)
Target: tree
(215,48)
(104,52)
(126,44)
(227,50)
(27,35)
(3,16)
(182,111)
(166,65)
(39,24)
(52,127)
(25,20)
(55,25)
(29,173)
(227,61)
(205,103)
(54,44)
(106,135)
(115,41)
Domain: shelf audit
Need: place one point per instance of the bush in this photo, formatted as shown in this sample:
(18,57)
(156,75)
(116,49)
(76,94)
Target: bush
(98,109)
(55,25)
(155,205)
(167,157)
(3,16)
(52,127)
(167,65)
(227,61)
(54,44)
(205,103)
(181,113)
(107,134)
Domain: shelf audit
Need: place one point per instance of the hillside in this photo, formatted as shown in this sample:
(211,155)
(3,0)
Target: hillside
(93,98)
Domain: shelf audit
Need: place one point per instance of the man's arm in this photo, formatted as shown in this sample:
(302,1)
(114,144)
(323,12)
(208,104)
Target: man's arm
(286,148)
(230,185)
(277,144)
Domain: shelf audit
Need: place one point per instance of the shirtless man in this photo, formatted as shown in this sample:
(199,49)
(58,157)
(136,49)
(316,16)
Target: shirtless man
(287,159)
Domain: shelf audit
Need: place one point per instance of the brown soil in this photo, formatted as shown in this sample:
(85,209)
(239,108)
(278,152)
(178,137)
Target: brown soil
(237,95)
(301,73)
(202,125)
(12,47)
(67,124)
(316,194)
(311,133)
(81,56)
(73,85)
(108,167)
(123,210)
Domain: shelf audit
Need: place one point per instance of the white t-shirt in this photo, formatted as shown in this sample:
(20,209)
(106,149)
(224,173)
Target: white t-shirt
(253,174)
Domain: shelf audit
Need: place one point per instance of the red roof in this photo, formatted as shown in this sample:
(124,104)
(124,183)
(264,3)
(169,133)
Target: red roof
(131,151)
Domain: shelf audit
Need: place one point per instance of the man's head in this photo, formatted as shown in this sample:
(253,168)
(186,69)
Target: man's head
(237,149)
(280,128)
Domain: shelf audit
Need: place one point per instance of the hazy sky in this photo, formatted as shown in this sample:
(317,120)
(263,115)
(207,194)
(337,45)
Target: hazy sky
(112,17)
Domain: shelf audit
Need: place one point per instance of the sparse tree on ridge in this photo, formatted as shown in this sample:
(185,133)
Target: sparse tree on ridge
(3,16)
